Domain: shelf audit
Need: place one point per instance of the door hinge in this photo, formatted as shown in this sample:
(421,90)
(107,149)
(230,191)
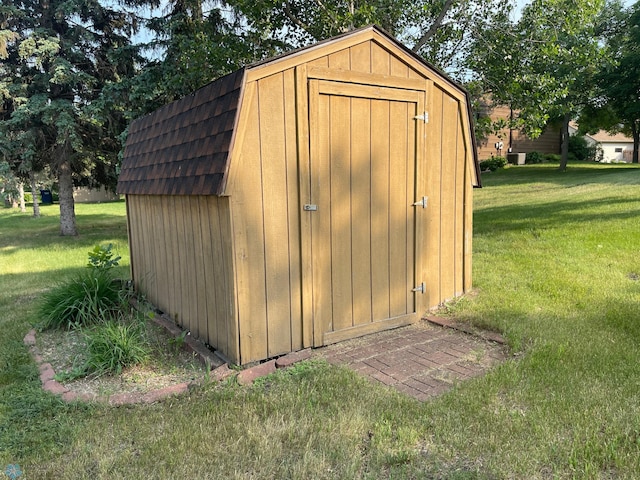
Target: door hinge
(420,203)
(424,117)
(420,288)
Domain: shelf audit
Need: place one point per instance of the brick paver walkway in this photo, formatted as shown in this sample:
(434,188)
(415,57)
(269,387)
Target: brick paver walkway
(421,360)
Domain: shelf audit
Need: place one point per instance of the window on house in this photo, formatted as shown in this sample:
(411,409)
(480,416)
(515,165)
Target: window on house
(618,149)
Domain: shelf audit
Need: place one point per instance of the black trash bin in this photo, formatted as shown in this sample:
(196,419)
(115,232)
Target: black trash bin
(46,196)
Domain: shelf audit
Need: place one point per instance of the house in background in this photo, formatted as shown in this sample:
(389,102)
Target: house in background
(547,142)
(616,148)
(93,195)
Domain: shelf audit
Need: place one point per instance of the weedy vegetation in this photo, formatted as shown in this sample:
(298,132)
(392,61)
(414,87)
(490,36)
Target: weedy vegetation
(115,345)
(96,303)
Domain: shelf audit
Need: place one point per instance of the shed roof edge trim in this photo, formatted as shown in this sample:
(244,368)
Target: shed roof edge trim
(264,68)
(221,191)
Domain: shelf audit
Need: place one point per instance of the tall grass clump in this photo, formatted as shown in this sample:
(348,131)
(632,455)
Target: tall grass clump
(83,300)
(96,303)
(115,345)
(89,297)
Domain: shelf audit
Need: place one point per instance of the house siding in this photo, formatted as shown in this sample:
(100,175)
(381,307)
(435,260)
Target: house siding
(547,142)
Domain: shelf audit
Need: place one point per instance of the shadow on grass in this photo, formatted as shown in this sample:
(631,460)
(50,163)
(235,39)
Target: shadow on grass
(576,172)
(27,287)
(83,242)
(31,421)
(519,217)
(45,232)
(33,259)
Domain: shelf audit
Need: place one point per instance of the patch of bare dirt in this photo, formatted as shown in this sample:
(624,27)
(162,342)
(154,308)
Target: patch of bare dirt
(168,364)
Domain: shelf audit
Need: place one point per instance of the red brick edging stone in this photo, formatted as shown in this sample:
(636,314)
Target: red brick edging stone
(217,374)
(50,384)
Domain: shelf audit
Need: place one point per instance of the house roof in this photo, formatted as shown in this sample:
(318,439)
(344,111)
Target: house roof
(605,137)
(602,136)
(184,147)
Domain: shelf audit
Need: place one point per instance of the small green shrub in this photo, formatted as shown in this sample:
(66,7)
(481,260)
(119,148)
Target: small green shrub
(534,157)
(578,148)
(116,345)
(89,297)
(552,158)
(73,374)
(102,258)
(596,154)
(492,164)
(179,341)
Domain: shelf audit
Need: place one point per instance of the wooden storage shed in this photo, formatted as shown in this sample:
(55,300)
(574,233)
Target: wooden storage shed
(314,197)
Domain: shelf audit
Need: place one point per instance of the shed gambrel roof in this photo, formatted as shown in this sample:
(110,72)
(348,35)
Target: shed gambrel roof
(182,148)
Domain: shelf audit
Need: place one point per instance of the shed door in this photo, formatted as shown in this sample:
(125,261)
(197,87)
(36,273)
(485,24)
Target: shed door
(363,161)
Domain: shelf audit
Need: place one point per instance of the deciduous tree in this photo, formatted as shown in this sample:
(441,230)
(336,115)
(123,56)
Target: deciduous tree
(544,65)
(616,105)
(438,30)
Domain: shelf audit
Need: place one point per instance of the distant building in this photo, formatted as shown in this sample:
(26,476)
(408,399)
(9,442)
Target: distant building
(616,148)
(547,142)
(93,195)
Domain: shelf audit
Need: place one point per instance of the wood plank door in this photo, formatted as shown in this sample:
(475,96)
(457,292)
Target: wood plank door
(363,169)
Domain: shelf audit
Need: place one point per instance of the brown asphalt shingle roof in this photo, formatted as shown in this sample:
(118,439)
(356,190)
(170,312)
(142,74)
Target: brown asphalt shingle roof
(183,148)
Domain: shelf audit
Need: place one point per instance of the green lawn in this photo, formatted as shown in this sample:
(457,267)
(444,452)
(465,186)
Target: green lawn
(556,269)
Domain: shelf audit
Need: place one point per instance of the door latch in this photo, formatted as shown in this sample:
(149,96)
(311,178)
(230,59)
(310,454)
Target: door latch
(424,117)
(421,203)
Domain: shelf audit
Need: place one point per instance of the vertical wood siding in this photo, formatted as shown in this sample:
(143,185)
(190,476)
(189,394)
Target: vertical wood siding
(269,184)
(431,244)
(363,180)
(266,206)
(182,263)
(448,232)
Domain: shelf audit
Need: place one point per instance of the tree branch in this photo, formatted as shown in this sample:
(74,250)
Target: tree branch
(296,21)
(331,15)
(434,26)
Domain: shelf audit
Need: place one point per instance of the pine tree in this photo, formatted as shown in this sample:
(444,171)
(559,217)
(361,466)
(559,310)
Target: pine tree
(57,57)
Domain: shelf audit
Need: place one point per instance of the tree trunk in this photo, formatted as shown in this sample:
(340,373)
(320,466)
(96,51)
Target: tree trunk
(23,208)
(636,140)
(564,137)
(34,194)
(510,129)
(67,204)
